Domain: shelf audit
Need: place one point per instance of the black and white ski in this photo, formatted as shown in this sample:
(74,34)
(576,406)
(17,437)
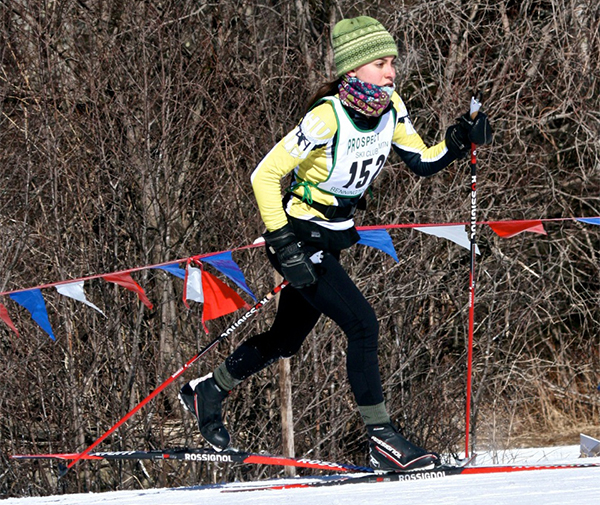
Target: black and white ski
(205,455)
(430,474)
(346,473)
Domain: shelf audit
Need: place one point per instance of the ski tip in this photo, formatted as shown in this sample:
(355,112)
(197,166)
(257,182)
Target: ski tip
(589,447)
(464,462)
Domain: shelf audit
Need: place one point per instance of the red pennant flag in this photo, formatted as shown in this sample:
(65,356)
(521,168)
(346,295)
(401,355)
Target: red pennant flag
(219,299)
(507,229)
(126,281)
(6,318)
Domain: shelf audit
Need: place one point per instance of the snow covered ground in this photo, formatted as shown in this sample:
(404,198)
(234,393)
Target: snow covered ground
(547,487)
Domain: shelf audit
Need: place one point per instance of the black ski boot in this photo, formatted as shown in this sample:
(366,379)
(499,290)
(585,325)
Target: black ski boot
(391,452)
(203,398)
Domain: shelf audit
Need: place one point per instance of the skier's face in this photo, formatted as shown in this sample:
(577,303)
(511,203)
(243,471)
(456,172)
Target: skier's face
(380,72)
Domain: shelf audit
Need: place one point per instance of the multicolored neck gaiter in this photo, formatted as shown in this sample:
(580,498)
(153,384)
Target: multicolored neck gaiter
(369,99)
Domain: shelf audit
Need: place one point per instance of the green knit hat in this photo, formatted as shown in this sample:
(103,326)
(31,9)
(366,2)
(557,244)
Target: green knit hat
(360,40)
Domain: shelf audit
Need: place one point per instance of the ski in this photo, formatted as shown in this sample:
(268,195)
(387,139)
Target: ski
(202,455)
(347,473)
(433,473)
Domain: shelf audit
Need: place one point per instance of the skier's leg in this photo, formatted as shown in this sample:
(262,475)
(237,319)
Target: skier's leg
(204,396)
(337,296)
(294,320)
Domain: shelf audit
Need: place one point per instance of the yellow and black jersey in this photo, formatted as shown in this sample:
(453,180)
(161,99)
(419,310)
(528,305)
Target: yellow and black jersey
(335,158)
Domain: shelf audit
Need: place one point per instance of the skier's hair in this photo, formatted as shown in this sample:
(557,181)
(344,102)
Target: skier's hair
(326,89)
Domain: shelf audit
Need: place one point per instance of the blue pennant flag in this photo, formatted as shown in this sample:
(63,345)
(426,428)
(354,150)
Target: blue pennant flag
(589,220)
(224,263)
(34,302)
(380,239)
(173,268)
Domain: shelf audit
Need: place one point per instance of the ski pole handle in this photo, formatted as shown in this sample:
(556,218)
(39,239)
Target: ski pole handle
(475,105)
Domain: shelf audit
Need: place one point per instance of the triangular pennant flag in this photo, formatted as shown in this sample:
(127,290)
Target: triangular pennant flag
(75,290)
(34,302)
(379,239)
(219,299)
(173,269)
(192,289)
(455,233)
(6,318)
(507,229)
(224,263)
(589,220)
(126,281)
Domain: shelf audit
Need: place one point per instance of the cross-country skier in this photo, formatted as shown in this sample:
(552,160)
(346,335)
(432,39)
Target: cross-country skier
(335,152)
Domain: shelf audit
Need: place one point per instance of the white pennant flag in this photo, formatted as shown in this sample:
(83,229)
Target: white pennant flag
(75,290)
(193,287)
(455,233)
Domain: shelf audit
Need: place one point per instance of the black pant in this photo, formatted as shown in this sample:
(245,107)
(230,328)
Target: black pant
(336,296)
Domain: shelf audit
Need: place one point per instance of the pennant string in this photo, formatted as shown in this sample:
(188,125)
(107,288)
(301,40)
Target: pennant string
(221,299)
(260,243)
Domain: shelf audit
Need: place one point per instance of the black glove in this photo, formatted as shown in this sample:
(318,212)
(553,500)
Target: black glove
(480,131)
(296,266)
(459,136)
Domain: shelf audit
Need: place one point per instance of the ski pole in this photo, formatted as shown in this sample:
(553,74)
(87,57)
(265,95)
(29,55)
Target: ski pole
(474,109)
(179,372)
